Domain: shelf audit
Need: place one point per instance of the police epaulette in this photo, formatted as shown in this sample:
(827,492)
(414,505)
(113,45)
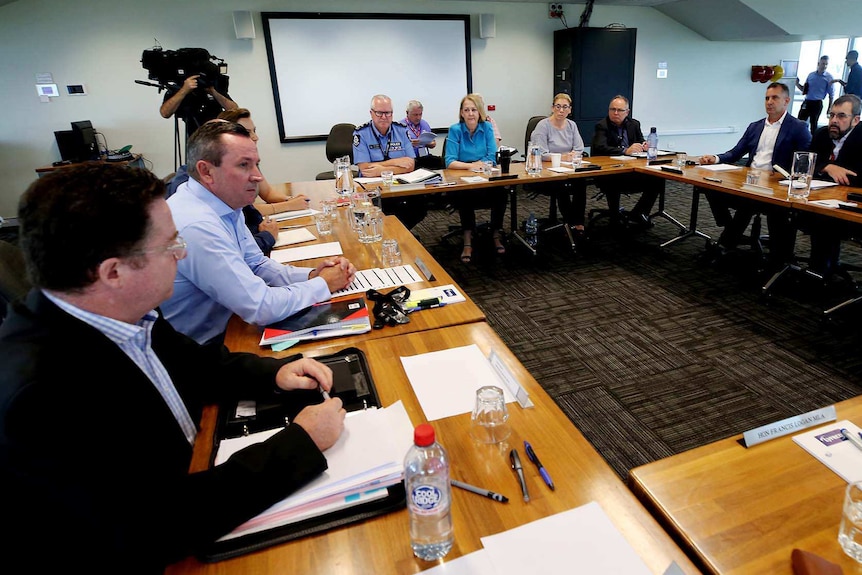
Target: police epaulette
(365,125)
(399,124)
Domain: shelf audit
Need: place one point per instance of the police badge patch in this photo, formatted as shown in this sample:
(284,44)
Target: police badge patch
(355,140)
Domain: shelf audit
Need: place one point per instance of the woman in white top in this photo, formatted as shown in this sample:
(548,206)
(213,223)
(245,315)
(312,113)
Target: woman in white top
(558,134)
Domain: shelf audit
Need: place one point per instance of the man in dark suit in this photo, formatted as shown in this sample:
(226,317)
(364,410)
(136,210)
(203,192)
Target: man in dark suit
(839,158)
(771,140)
(100,397)
(615,135)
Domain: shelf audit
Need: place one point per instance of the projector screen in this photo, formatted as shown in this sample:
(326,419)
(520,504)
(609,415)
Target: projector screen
(325,68)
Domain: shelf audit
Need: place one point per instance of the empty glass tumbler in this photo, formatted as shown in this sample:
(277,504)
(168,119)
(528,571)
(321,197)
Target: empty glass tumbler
(489,422)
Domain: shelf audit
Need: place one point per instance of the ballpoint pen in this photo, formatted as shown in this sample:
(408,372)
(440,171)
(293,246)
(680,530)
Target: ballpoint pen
(852,438)
(708,179)
(323,392)
(515,459)
(535,459)
(480,491)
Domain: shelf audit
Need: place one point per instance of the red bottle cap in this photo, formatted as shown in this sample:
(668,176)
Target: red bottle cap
(423,435)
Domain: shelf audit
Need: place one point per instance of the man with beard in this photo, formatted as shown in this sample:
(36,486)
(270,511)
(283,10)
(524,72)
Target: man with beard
(839,158)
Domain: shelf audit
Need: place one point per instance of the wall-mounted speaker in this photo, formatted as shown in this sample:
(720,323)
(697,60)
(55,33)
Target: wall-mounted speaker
(487,26)
(243,25)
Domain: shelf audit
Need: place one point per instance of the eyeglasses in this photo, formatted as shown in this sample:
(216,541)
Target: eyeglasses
(839,115)
(382,114)
(562,107)
(618,110)
(178,248)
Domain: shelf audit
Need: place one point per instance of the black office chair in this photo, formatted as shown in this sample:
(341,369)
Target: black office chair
(13,276)
(339,143)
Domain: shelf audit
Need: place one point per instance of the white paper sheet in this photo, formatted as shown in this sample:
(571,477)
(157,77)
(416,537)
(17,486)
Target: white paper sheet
(815,184)
(445,382)
(380,278)
(473,179)
(719,167)
(289,237)
(562,170)
(624,158)
(475,563)
(834,451)
(292,215)
(307,252)
(579,541)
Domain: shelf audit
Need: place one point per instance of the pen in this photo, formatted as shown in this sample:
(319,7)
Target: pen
(424,302)
(480,491)
(361,186)
(515,459)
(852,439)
(616,166)
(323,392)
(535,459)
(716,180)
(418,307)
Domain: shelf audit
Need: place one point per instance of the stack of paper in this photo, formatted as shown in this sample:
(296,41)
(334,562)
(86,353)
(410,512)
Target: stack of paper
(281,216)
(829,446)
(325,319)
(368,457)
(421,175)
(289,237)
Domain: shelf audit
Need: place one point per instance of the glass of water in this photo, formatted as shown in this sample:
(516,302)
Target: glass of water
(681,160)
(850,532)
(801,175)
(391,253)
(388,177)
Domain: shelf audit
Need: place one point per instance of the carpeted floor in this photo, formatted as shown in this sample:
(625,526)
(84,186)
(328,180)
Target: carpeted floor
(648,350)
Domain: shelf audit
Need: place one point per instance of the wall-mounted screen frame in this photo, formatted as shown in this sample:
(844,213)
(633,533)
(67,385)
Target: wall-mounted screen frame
(325,67)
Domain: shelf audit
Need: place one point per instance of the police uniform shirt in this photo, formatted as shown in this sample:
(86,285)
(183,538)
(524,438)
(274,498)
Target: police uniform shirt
(369,145)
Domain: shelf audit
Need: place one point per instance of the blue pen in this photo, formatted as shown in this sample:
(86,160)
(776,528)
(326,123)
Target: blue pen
(544,472)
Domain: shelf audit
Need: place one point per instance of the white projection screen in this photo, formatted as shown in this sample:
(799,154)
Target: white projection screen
(326,67)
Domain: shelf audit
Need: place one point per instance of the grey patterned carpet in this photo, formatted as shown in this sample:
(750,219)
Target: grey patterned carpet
(649,350)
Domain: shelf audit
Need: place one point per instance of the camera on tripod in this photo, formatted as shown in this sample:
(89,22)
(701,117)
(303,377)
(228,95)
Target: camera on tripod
(170,68)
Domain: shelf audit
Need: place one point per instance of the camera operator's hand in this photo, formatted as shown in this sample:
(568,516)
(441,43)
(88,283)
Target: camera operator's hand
(171,105)
(190,84)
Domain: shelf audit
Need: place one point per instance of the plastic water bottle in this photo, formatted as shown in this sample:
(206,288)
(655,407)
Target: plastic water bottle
(652,140)
(531,229)
(429,495)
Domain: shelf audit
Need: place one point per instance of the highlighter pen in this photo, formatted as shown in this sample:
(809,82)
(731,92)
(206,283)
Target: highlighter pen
(421,303)
(515,460)
(479,491)
(852,438)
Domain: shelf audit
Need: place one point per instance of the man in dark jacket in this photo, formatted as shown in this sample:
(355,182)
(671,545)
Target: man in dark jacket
(100,397)
(616,135)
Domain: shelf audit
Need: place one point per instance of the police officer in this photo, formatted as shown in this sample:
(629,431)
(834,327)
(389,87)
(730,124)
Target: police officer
(381,145)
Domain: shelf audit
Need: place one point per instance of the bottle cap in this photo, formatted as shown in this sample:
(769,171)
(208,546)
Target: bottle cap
(423,435)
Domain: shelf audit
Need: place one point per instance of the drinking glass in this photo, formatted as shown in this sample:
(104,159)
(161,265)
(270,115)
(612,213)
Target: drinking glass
(370,225)
(329,206)
(387,176)
(391,253)
(577,158)
(850,532)
(681,160)
(323,221)
(801,175)
(489,422)
(752,177)
(487,168)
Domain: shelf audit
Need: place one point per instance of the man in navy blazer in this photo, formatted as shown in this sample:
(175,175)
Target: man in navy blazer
(100,398)
(771,140)
(839,159)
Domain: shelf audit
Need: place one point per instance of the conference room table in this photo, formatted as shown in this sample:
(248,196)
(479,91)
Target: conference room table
(743,510)
(241,336)
(381,545)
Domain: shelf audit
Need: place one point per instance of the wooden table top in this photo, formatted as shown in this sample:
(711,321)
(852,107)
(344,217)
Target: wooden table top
(742,511)
(381,545)
(241,336)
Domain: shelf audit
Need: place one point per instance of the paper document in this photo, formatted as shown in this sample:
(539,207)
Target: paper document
(475,563)
(581,540)
(447,294)
(562,170)
(426,138)
(832,203)
(307,252)
(368,455)
(719,167)
(829,446)
(363,180)
(815,184)
(623,158)
(289,237)
(473,179)
(282,216)
(380,279)
(420,175)
(445,382)
(657,153)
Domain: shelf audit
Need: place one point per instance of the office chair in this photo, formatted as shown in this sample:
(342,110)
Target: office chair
(339,143)
(13,276)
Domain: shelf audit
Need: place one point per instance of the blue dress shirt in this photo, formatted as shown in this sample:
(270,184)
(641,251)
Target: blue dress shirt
(225,272)
(464,147)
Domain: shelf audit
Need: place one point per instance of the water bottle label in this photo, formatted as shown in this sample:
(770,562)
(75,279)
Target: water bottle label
(426,499)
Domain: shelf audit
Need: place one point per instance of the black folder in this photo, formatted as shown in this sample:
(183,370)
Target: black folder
(353,384)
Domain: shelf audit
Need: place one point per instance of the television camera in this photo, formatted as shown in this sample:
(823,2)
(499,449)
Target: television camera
(170,68)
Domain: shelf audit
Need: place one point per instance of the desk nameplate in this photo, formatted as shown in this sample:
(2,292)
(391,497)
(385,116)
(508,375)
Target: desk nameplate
(789,425)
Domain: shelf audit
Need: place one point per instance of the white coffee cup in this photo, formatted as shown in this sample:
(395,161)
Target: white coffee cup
(555,160)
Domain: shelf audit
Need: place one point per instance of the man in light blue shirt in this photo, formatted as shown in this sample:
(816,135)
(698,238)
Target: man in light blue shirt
(225,272)
(817,86)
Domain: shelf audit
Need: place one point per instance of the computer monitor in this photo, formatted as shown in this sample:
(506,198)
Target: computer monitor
(85,140)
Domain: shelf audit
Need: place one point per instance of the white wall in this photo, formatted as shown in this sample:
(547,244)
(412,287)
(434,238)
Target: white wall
(99,43)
